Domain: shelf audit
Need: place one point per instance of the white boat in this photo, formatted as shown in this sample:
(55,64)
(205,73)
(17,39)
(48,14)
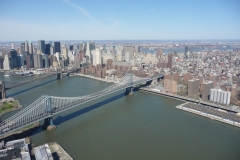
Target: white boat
(6,75)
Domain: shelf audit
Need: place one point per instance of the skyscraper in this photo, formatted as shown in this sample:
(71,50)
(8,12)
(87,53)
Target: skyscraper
(38,63)
(13,63)
(6,63)
(97,58)
(41,45)
(30,47)
(12,45)
(22,48)
(47,49)
(26,46)
(57,47)
(29,61)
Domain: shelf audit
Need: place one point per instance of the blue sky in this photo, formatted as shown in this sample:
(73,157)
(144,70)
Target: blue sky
(119,20)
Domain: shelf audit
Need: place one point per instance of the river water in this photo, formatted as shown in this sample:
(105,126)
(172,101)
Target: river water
(139,127)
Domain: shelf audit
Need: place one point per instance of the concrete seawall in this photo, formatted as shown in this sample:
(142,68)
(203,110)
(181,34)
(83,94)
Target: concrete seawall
(207,115)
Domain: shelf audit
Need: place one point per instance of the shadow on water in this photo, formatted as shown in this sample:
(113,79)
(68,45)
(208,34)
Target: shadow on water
(25,90)
(60,119)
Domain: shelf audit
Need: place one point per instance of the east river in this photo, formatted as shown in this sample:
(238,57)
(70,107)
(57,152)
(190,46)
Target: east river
(142,126)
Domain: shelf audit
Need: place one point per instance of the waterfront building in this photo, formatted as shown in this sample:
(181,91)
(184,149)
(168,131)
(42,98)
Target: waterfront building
(57,47)
(43,152)
(170,85)
(6,63)
(41,45)
(220,96)
(193,87)
(206,87)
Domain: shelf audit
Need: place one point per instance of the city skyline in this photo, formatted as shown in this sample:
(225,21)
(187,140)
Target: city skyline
(106,20)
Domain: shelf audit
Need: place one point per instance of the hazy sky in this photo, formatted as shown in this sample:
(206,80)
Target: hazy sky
(119,19)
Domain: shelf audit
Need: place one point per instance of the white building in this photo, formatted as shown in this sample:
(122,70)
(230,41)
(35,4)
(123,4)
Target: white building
(220,96)
(97,57)
(6,64)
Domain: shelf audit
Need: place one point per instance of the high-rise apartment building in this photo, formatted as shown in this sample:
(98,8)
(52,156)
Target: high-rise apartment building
(169,61)
(206,87)
(193,87)
(170,85)
(97,58)
(41,45)
(220,96)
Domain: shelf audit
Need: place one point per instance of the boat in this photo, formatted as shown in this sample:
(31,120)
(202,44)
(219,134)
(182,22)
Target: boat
(6,75)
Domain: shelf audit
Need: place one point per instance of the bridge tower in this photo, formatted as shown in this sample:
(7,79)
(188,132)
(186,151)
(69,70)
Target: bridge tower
(48,122)
(129,80)
(2,90)
(59,73)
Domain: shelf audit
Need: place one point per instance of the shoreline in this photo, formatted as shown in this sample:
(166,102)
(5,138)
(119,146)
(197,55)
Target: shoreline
(210,116)
(14,109)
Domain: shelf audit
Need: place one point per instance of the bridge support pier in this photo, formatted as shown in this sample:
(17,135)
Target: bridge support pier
(59,74)
(48,124)
(129,91)
(2,90)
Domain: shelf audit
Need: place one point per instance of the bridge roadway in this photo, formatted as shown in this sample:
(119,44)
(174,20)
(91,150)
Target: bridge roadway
(48,75)
(46,107)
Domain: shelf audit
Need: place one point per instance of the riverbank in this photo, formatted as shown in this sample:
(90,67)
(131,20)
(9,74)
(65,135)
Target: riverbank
(235,109)
(214,116)
(8,105)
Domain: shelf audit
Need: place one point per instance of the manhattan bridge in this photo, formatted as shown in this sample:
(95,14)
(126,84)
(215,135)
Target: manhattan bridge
(45,107)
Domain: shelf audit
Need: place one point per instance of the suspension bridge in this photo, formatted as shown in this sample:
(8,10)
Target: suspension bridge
(45,107)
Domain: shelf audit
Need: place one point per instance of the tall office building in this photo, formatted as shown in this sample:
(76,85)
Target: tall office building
(6,63)
(97,58)
(30,47)
(193,87)
(22,48)
(186,52)
(57,47)
(220,96)
(14,62)
(206,87)
(47,49)
(45,61)
(26,46)
(1,62)
(29,61)
(169,61)
(12,45)
(91,46)
(38,63)
(41,45)
(70,47)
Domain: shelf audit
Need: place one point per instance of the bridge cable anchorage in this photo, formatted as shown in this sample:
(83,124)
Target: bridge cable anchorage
(47,106)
